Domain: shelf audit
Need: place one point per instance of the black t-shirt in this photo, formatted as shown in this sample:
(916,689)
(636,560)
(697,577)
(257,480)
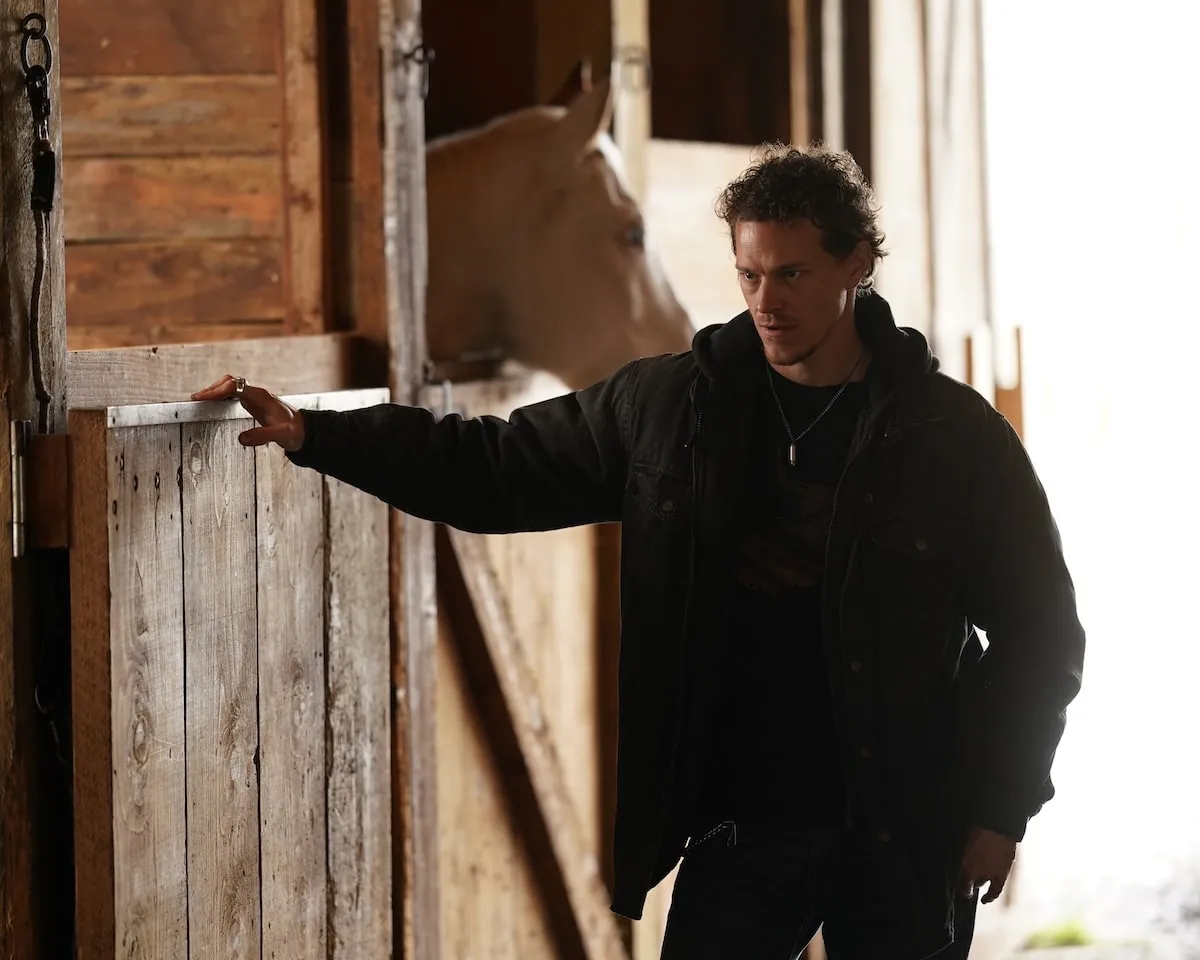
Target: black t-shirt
(772,752)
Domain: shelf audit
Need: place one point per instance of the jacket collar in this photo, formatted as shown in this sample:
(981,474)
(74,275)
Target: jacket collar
(729,355)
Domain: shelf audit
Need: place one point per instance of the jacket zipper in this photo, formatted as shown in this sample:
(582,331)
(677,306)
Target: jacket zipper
(854,454)
(683,706)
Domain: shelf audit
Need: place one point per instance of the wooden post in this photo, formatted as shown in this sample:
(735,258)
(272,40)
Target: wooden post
(804,21)
(414,596)
(32,785)
(631,89)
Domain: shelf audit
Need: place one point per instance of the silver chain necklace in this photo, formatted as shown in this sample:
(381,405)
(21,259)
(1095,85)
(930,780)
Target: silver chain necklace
(792,441)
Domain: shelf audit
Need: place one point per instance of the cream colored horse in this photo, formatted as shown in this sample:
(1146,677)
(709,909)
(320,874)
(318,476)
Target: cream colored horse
(537,251)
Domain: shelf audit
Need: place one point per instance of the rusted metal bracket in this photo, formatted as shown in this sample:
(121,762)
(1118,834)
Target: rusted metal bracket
(41,489)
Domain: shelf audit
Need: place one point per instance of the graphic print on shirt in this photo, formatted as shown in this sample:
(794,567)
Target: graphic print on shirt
(784,550)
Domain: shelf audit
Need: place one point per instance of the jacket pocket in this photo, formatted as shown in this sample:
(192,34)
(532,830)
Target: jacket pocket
(663,494)
(914,538)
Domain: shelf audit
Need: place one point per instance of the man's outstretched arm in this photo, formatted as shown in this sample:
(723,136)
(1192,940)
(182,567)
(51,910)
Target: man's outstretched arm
(557,463)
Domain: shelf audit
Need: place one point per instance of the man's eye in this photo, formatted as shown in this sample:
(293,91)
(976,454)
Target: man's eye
(635,236)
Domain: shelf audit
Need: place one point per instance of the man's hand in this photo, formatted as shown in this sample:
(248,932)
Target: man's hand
(280,423)
(988,859)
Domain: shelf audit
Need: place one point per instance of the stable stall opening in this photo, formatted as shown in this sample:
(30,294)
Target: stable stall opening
(719,69)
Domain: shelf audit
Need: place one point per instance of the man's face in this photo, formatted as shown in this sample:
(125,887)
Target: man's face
(795,291)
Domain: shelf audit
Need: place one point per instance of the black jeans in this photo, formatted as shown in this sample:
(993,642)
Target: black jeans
(764,896)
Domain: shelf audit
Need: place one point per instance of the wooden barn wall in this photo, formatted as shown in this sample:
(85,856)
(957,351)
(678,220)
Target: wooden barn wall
(192,169)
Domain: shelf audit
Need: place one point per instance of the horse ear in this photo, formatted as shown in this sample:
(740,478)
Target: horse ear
(578,82)
(588,116)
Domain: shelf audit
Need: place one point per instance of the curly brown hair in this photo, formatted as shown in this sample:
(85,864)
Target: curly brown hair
(785,184)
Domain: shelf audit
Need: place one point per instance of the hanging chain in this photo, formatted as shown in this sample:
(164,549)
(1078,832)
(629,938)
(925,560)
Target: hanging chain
(45,167)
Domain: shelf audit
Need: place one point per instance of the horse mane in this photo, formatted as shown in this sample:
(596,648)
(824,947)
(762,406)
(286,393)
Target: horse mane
(469,146)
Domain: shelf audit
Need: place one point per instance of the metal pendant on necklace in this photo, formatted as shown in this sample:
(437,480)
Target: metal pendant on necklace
(793,440)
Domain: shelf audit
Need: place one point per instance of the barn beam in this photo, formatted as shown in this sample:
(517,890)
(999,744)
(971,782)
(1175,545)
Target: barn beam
(35,858)
(169,373)
(401,338)
(504,689)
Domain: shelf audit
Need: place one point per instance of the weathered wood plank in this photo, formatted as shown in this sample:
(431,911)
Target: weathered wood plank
(91,687)
(168,284)
(201,411)
(149,826)
(291,696)
(359,691)
(120,337)
(507,695)
(103,378)
(149,198)
(169,37)
(222,690)
(413,593)
(491,906)
(171,116)
(303,170)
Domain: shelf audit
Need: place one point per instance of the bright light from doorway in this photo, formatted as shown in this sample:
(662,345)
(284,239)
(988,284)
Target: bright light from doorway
(1093,128)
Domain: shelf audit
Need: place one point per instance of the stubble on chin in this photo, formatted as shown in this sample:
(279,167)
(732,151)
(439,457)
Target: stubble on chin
(781,356)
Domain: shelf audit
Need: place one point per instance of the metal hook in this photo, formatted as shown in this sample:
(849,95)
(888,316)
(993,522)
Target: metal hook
(37,701)
(423,57)
(633,57)
(37,32)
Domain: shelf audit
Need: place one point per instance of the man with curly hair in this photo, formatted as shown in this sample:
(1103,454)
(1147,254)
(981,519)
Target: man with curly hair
(815,520)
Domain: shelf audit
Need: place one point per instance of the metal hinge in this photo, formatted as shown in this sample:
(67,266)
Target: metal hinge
(40,489)
(18,447)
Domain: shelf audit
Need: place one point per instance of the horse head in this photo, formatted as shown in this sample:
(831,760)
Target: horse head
(537,251)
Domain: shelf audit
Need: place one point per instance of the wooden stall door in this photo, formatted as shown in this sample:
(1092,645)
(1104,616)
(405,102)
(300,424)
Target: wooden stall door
(231,684)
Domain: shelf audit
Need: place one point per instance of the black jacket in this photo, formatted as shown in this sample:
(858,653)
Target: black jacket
(940,525)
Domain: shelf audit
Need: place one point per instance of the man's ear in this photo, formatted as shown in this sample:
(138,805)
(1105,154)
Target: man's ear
(578,82)
(859,262)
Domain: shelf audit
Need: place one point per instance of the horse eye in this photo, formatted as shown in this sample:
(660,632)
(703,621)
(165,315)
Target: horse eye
(635,236)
